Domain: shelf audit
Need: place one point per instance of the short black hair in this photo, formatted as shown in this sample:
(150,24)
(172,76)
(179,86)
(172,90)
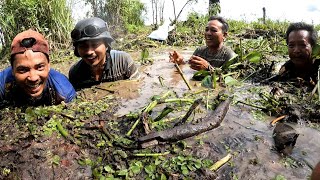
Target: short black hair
(225,25)
(303,26)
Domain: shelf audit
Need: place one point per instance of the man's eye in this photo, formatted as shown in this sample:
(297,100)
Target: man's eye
(22,70)
(40,67)
(291,46)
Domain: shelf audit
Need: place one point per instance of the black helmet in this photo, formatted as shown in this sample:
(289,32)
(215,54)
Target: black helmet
(89,29)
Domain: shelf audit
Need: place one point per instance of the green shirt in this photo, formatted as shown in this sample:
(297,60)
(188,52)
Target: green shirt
(215,59)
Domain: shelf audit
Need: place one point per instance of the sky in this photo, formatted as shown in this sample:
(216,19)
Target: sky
(249,10)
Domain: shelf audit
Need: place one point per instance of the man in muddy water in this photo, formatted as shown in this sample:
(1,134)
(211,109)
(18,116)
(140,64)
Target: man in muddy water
(215,53)
(99,63)
(300,39)
(29,80)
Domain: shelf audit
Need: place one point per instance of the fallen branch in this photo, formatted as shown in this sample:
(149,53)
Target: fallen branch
(210,122)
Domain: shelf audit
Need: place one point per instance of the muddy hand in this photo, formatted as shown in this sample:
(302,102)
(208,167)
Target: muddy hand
(198,63)
(176,57)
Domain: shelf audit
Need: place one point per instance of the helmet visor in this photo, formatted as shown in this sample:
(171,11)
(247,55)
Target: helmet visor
(88,31)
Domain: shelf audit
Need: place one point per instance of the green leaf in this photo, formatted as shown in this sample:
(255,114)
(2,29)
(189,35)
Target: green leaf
(316,51)
(163,177)
(123,172)
(199,75)
(184,170)
(254,57)
(230,81)
(56,160)
(135,169)
(144,54)
(108,169)
(231,61)
(207,81)
(150,169)
(279,177)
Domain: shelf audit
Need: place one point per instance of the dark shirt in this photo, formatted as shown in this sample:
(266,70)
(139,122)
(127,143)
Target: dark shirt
(288,71)
(215,59)
(118,66)
(57,89)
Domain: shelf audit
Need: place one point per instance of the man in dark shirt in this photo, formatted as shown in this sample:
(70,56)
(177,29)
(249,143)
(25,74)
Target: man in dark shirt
(300,38)
(215,53)
(92,40)
(29,80)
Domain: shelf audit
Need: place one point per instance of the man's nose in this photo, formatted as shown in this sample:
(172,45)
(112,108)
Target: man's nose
(33,76)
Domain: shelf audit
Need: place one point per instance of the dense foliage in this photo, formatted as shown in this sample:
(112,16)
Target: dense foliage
(50,17)
(119,14)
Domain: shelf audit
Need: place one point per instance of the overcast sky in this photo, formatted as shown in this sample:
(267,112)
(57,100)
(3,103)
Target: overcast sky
(291,10)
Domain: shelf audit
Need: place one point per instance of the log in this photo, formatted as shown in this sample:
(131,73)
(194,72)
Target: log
(211,121)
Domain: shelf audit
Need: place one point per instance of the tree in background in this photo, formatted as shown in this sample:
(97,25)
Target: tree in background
(118,13)
(50,17)
(214,7)
(157,12)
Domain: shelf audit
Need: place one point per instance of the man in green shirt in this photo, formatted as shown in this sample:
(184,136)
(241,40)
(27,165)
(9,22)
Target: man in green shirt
(215,53)
(99,63)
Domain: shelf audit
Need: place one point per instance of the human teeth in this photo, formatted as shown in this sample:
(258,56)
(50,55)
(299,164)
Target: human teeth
(34,85)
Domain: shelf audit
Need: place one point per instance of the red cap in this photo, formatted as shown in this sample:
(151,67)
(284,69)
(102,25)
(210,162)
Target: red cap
(39,45)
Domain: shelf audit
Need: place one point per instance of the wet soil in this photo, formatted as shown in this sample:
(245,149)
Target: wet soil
(249,140)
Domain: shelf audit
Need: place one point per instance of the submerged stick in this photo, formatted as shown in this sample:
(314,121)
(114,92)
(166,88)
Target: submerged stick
(161,80)
(252,105)
(191,109)
(313,92)
(182,75)
(221,162)
(210,122)
(151,154)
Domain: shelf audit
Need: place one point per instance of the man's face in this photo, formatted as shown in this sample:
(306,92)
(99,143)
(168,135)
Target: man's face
(213,34)
(31,71)
(299,47)
(93,52)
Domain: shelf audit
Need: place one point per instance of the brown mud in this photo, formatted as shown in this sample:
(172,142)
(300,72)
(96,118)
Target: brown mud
(250,141)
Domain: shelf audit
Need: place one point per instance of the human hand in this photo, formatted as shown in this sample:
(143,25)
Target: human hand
(176,57)
(198,63)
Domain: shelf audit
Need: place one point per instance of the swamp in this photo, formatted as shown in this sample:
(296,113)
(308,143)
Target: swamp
(173,122)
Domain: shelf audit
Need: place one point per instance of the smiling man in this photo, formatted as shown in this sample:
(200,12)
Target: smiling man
(300,38)
(215,53)
(92,42)
(29,80)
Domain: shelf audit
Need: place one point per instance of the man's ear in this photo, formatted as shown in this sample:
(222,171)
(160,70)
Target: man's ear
(225,34)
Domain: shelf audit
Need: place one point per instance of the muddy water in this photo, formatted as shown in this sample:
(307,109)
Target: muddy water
(249,140)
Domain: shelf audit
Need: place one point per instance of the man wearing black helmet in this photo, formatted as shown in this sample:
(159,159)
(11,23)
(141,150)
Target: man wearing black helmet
(91,40)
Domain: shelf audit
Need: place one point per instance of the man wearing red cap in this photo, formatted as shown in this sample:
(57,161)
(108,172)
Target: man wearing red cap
(29,80)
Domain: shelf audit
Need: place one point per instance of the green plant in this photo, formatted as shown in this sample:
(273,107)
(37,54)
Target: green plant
(50,17)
